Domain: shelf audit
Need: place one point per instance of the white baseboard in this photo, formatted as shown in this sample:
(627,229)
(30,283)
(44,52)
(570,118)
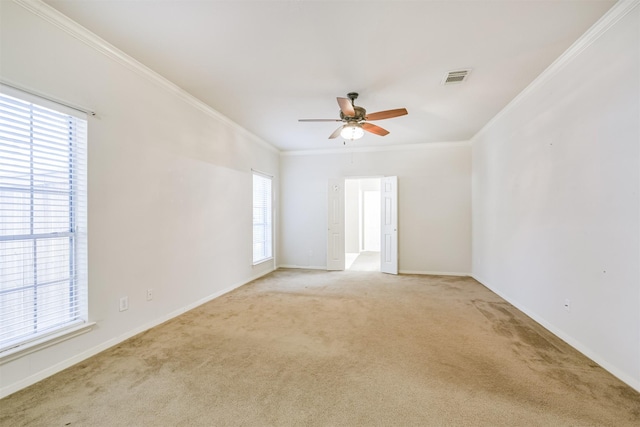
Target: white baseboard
(428,273)
(434,273)
(632,382)
(305,267)
(39,376)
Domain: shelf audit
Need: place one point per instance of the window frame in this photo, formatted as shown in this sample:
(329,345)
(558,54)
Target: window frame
(268,212)
(76,227)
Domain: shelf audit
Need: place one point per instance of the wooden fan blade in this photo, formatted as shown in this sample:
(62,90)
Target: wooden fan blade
(346,107)
(374,129)
(336,133)
(387,114)
(319,120)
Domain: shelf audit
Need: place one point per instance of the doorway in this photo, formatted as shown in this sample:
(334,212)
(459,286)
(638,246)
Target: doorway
(362,224)
(336,241)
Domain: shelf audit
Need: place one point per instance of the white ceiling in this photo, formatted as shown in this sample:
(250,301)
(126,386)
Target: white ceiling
(265,64)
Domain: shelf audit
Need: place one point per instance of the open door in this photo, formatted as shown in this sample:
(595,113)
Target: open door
(389,228)
(335,235)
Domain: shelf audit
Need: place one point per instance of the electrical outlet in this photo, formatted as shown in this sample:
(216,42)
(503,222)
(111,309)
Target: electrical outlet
(149,294)
(567,304)
(124,303)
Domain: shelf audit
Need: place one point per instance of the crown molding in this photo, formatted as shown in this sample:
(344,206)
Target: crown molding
(609,19)
(349,150)
(53,16)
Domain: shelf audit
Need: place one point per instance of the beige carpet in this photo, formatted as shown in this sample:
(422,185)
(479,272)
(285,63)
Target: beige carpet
(307,348)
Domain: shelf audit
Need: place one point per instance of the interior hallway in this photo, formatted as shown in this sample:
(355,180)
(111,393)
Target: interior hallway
(363,261)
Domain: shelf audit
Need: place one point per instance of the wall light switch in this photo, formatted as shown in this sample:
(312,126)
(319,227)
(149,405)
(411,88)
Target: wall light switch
(124,303)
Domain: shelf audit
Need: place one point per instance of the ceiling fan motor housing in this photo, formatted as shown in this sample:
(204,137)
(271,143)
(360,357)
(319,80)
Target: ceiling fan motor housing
(361,113)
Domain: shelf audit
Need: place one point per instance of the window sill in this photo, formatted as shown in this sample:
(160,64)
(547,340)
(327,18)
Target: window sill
(44,342)
(262,261)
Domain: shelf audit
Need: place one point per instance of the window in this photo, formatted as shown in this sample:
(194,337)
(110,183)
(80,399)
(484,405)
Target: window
(43,245)
(262,213)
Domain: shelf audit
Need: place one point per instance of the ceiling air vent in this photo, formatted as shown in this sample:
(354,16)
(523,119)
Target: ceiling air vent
(457,76)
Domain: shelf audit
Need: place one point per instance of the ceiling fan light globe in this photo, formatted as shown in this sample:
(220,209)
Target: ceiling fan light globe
(352,132)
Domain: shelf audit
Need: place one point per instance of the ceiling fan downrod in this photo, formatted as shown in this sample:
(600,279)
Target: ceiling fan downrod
(352,96)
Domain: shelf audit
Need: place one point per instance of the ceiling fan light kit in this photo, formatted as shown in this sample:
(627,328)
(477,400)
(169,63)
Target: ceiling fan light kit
(356,120)
(352,131)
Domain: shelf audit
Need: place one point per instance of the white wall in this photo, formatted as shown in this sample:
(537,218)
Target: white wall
(434,192)
(169,189)
(371,217)
(362,220)
(352,216)
(555,199)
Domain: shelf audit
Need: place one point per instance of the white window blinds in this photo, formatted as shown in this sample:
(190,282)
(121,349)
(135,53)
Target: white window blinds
(262,213)
(43,245)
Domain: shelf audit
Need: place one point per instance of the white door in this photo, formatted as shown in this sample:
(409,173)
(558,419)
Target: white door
(335,235)
(389,228)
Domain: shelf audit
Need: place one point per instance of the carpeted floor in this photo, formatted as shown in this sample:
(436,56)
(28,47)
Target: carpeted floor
(316,348)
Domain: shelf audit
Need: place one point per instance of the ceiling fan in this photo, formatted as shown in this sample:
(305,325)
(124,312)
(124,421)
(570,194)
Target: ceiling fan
(356,120)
